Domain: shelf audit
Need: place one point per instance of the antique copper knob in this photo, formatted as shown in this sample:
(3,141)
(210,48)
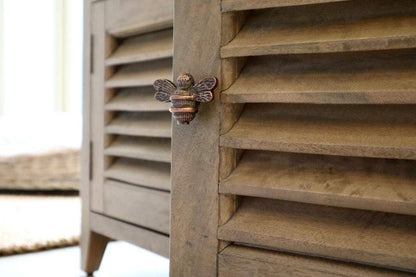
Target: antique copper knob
(186,96)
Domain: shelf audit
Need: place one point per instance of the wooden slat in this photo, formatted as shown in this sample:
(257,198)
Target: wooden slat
(141,74)
(154,149)
(156,124)
(142,206)
(151,46)
(335,27)
(360,183)
(247,262)
(130,17)
(386,240)
(349,78)
(142,27)
(136,100)
(144,173)
(384,131)
(238,5)
(119,230)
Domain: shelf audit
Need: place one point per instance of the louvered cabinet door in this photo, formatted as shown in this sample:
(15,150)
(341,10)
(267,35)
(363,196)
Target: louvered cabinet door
(304,165)
(128,132)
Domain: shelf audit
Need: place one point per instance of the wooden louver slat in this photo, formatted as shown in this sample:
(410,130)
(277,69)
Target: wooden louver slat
(271,32)
(136,100)
(338,233)
(384,77)
(247,262)
(370,184)
(155,124)
(140,74)
(151,46)
(363,130)
(154,149)
(238,5)
(326,159)
(143,27)
(128,18)
(144,173)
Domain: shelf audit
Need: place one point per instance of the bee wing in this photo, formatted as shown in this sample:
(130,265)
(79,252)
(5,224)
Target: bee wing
(164,89)
(203,96)
(202,90)
(206,84)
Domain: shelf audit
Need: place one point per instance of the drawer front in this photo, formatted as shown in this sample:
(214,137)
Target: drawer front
(141,206)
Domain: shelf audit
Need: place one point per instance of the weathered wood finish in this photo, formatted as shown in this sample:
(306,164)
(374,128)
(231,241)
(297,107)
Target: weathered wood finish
(195,158)
(146,47)
(382,239)
(92,244)
(153,241)
(127,133)
(247,262)
(140,74)
(155,124)
(336,27)
(378,77)
(97,100)
(317,52)
(144,173)
(136,100)
(361,183)
(130,17)
(141,206)
(350,130)
(145,148)
(238,5)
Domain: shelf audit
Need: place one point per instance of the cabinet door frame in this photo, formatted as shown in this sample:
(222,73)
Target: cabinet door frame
(195,147)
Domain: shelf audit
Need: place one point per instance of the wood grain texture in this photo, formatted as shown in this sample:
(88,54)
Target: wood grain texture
(384,131)
(136,100)
(156,124)
(360,183)
(98,140)
(238,5)
(150,46)
(141,206)
(140,172)
(248,262)
(336,27)
(140,74)
(382,239)
(382,77)
(153,149)
(152,241)
(195,158)
(132,17)
(92,244)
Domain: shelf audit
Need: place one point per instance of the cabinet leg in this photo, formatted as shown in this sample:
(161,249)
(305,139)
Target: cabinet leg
(92,250)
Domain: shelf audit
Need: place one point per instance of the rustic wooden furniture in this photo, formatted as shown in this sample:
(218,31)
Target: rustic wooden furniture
(126,143)
(304,164)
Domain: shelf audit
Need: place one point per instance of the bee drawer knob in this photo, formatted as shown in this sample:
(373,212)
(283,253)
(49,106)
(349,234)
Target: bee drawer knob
(186,96)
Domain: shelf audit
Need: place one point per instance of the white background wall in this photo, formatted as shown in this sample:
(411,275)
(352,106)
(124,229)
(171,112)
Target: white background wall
(42,57)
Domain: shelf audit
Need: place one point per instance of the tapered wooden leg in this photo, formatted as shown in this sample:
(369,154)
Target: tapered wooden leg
(92,250)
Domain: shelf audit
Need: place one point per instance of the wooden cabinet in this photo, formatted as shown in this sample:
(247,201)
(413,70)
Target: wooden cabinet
(304,163)
(127,134)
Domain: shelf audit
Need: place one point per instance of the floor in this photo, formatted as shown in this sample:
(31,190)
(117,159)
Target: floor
(120,260)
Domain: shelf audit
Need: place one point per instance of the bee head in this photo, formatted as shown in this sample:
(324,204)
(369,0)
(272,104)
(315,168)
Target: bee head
(185,81)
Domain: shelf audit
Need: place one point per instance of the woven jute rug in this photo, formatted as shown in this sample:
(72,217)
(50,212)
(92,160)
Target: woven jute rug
(31,223)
